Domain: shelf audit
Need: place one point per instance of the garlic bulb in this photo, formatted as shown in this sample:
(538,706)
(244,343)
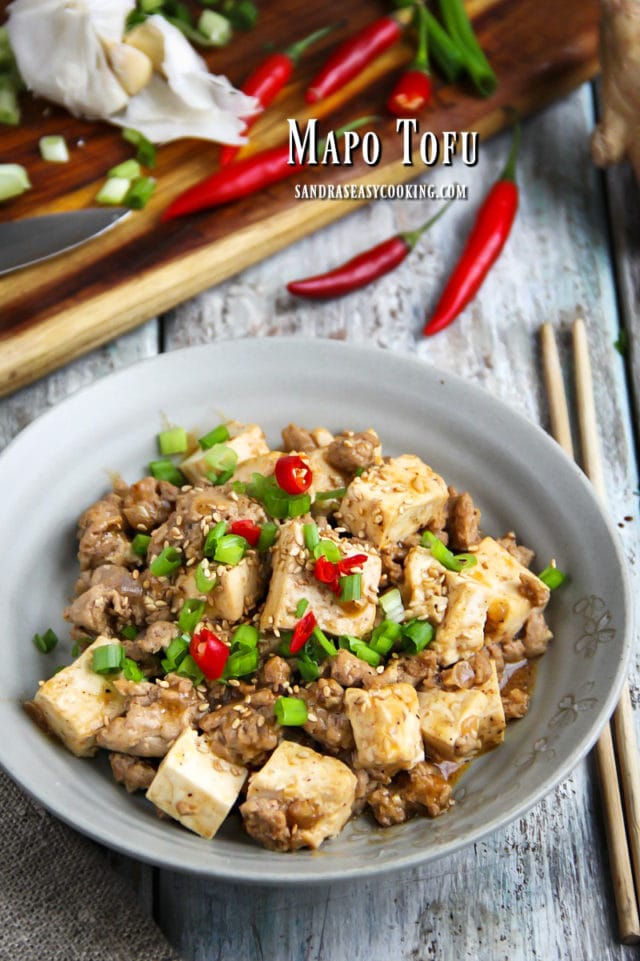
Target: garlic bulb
(92,69)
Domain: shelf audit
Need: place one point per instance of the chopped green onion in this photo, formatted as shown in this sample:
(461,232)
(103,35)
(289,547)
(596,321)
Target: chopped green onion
(218,435)
(311,536)
(139,193)
(241,663)
(268,534)
(324,642)
(290,711)
(47,641)
(245,637)
(14,180)
(189,668)
(140,544)
(113,191)
(327,549)
(360,649)
(175,654)
(243,14)
(453,562)
(215,27)
(552,576)
(212,538)
(108,658)
(218,479)
(230,549)
(129,632)
(131,670)
(128,169)
(76,649)
(54,149)
(350,587)
(145,151)
(384,636)
(359,472)
(277,502)
(417,634)
(151,6)
(301,607)
(307,667)
(204,584)
(222,460)
(391,604)
(166,470)
(168,561)
(190,614)
(172,441)
(6,53)
(9,106)
(284,648)
(239,487)
(333,495)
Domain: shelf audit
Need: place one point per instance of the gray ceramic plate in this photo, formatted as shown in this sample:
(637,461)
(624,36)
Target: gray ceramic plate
(519,478)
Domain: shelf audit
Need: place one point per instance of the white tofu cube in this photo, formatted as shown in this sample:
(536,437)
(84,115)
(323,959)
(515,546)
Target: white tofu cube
(314,792)
(265,464)
(237,592)
(247,440)
(386,727)
(393,500)
(513,592)
(195,786)
(292,579)
(425,586)
(461,724)
(76,702)
(461,631)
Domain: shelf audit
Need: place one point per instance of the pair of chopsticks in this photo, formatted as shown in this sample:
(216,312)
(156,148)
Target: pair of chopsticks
(619,780)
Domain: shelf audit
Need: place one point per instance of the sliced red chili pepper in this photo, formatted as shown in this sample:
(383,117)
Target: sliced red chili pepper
(327,573)
(488,237)
(348,563)
(247,529)
(413,90)
(302,631)
(209,653)
(293,474)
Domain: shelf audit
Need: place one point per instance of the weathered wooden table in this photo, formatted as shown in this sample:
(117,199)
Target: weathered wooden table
(540,888)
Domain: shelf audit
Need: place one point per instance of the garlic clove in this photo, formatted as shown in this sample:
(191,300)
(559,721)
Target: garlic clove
(149,40)
(132,67)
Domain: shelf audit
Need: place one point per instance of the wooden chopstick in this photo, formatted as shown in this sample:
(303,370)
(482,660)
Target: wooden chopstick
(617,840)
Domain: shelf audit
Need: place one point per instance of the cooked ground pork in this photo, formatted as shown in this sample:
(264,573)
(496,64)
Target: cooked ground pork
(244,732)
(410,669)
(298,439)
(110,597)
(537,635)
(327,723)
(463,521)
(515,702)
(148,503)
(521,553)
(131,772)
(349,452)
(102,537)
(275,674)
(422,790)
(349,670)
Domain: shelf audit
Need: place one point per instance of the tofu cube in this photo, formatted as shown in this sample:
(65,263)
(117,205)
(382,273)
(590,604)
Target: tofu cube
(513,591)
(461,631)
(195,786)
(76,702)
(325,477)
(292,579)
(393,500)
(313,795)
(247,440)
(237,592)
(425,586)
(264,464)
(386,727)
(461,724)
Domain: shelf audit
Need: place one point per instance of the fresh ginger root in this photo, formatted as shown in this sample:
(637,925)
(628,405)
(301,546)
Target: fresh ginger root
(617,136)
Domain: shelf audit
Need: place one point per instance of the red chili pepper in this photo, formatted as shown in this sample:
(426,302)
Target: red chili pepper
(247,529)
(346,565)
(293,474)
(327,573)
(488,237)
(268,79)
(302,631)
(364,268)
(209,653)
(413,90)
(354,54)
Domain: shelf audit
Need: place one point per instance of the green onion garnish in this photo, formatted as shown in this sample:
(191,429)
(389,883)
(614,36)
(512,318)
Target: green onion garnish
(218,435)
(151,6)
(54,149)
(416,635)
(113,191)
(14,180)
(128,169)
(172,441)
(129,632)
(324,642)
(307,667)
(239,487)
(221,460)
(190,614)
(139,193)
(284,648)
(391,604)
(212,538)
(243,14)
(276,502)
(168,561)
(301,607)
(189,668)
(230,549)
(175,654)
(552,576)
(47,641)
(218,479)
(166,470)
(359,471)
(384,636)
(76,649)
(140,544)
(333,495)
(360,649)
(453,562)
(10,86)
(311,536)
(204,584)
(245,637)
(216,28)
(268,534)
(241,663)
(327,549)
(350,587)
(108,658)
(290,711)
(145,151)
(131,670)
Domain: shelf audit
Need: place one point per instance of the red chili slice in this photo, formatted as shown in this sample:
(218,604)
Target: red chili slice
(209,653)
(327,573)
(302,631)
(348,563)
(293,474)
(247,529)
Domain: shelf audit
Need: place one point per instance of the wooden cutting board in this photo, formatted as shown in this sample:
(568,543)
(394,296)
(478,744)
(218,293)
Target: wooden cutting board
(57,310)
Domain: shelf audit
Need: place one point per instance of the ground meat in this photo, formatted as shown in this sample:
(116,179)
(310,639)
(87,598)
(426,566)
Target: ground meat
(101,535)
(219,694)
(349,451)
(422,790)
(298,439)
(524,555)
(156,637)
(349,670)
(463,521)
(245,732)
(536,635)
(327,722)
(271,821)
(534,590)
(156,715)
(110,597)
(481,664)
(148,503)
(134,774)
(363,789)
(413,669)
(458,677)
(494,650)
(515,702)
(275,674)
(513,651)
